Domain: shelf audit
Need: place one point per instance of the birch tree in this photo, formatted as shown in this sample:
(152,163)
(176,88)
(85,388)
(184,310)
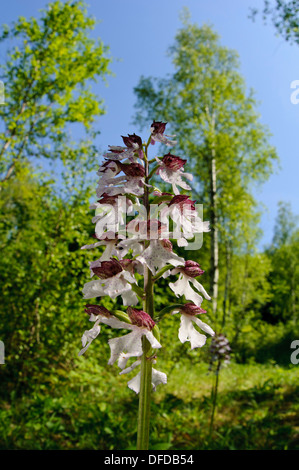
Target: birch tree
(216,123)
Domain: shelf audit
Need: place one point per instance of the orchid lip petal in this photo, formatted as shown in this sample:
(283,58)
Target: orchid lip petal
(131,343)
(157,378)
(206,328)
(187,332)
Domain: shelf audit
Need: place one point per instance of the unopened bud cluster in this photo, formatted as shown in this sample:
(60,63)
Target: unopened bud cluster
(219,350)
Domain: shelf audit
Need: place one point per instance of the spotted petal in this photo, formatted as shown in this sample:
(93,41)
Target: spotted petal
(187,332)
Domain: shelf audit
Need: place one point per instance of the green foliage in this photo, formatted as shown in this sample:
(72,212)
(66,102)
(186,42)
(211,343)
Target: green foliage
(51,61)
(284,274)
(49,67)
(249,292)
(88,407)
(284,15)
(285,225)
(42,275)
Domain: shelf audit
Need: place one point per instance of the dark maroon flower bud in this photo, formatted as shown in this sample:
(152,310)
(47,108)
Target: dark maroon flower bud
(191,309)
(132,141)
(192,269)
(179,198)
(166,244)
(173,162)
(182,201)
(107,269)
(132,169)
(158,127)
(97,310)
(106,199)
(140,318)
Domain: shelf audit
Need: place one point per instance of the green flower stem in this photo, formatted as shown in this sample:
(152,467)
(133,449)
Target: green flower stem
(143,425)
(144,398)
(214,398)
(153,160)
(153,171)
(146,371)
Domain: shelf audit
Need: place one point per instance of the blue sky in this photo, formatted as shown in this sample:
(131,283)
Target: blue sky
(139,33)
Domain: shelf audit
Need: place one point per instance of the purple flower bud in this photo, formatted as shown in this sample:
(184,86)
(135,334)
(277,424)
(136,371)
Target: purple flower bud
(132,169)
(140,318)
(192,269)
(132,141)
(173,162)
(97,310)
(158,127)
(192,309)
(106,199)
(166,244)
(182,201)
(157,131)
(107,269)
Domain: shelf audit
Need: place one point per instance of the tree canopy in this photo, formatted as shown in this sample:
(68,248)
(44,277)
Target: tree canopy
(48,74)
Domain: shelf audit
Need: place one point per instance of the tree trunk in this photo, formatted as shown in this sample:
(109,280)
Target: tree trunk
(214,225)
(227,284)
